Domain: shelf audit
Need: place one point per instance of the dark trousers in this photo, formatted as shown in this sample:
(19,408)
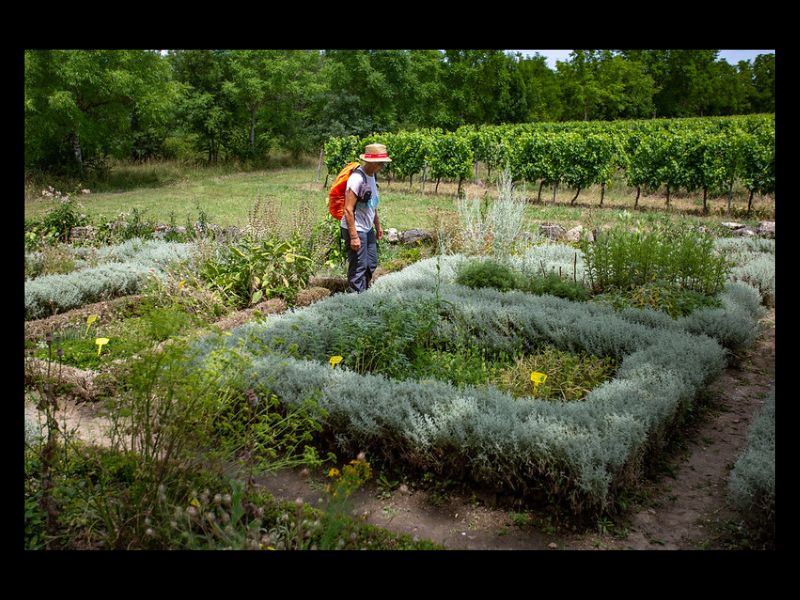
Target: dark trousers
(361,264)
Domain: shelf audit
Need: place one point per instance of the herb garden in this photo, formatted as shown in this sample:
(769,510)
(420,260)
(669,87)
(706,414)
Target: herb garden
(553,373)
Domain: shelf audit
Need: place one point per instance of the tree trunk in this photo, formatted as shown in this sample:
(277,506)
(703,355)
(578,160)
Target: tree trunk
(436,189)
(572,202)
(76,149)
(424,177)
(253,130)
(602,192)
(319,167)
(638,192)
(539,197)
(749,202)
(667,195)
(458,191)
(705,198)
(730,195)
(555,187)
(410,180)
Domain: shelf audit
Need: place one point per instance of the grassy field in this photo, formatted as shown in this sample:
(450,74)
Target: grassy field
(227,195)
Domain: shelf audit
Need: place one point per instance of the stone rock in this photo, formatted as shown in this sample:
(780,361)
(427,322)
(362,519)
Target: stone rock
(574,234)
(732,225)
(309,296)
(391,235)
(553,231)
(766,229)
(413,236)
(82,233)
(744,232)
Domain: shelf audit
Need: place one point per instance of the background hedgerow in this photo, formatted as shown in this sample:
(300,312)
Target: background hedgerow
(751,483)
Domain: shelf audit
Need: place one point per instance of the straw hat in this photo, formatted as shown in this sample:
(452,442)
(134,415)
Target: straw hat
(375,153)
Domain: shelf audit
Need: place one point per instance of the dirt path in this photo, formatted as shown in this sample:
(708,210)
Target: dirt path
(683,510)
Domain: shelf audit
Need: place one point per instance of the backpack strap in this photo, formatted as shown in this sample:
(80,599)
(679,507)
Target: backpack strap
(364,175)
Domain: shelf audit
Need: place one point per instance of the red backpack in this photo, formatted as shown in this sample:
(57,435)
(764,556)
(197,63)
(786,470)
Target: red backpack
(336,193)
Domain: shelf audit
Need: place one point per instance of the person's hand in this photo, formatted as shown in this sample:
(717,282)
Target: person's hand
(355,242)
(379,232)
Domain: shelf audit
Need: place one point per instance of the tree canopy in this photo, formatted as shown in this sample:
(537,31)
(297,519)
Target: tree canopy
(81,105)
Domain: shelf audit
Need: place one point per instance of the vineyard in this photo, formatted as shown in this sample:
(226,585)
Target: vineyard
(708,155)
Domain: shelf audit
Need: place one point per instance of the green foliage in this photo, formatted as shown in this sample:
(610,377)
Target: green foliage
(554,285)
(486,273)
(56,225)
(622,259)
(569,376)
(387,346)
(493,274)
(459,365)
(256,427)
(49,261)
(659,295)
(255,269)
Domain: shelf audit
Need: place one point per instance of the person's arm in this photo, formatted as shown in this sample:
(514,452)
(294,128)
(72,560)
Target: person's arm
(378,228)
(350,218)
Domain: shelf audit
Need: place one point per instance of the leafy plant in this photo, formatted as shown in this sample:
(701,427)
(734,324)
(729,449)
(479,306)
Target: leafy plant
(486,273)
(569,376)
(622,259)
(253,269)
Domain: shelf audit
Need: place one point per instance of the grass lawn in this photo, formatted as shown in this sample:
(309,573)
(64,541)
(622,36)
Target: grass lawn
(226,196)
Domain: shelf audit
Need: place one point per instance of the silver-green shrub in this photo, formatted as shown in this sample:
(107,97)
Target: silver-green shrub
(123,270)
(150,253)
(580,452)
(550,258)
(51,294)
(754,260)
(751,484)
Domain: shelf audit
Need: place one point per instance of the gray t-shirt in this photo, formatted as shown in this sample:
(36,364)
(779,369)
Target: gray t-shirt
(364,212)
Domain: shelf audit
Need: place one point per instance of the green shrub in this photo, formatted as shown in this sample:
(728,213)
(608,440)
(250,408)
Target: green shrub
(554,285)
(659,295)
(61,219)
(253,269)
(622,259)
(486,273)
(569,376)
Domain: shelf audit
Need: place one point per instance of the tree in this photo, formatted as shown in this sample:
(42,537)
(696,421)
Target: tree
(764,83)
(541,89)
(81,104)
(682,79)
(204,109)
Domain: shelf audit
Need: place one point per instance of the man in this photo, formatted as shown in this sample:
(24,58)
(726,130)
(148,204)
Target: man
(360,214)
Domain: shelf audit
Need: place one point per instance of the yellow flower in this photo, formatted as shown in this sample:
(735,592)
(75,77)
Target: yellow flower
(334,472)
(335,360)
(100,343)
(181,283)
